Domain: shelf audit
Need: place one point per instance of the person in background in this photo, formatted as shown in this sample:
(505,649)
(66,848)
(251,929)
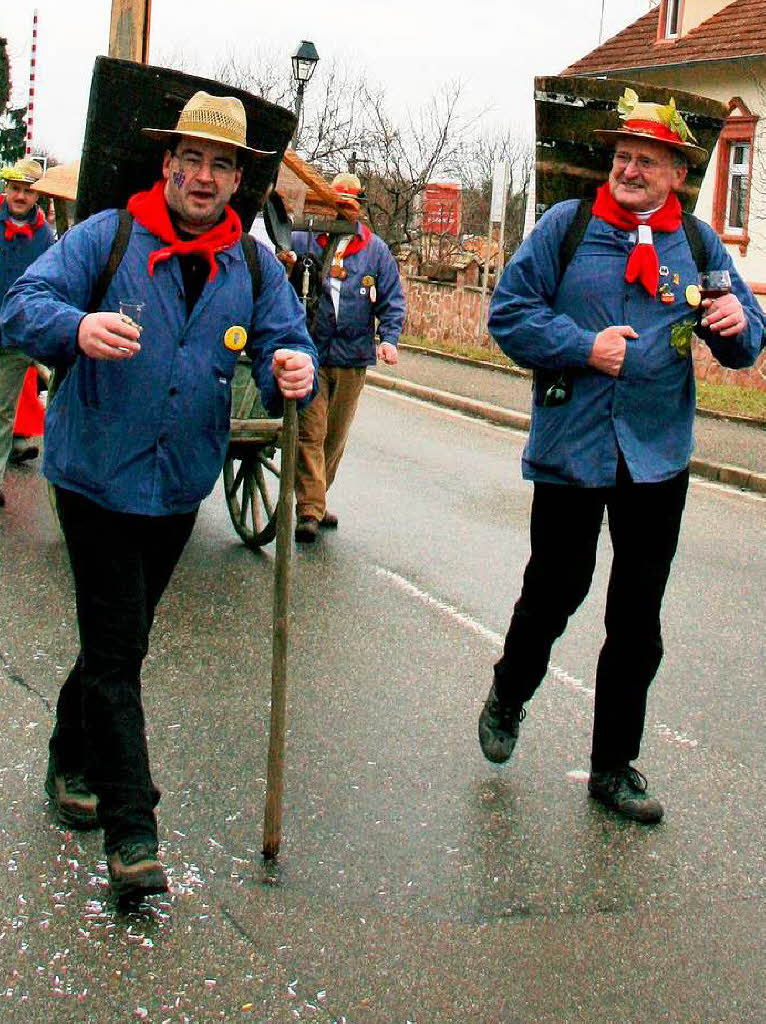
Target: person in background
(361,297)
(610,344)
(136,437)
(24,235)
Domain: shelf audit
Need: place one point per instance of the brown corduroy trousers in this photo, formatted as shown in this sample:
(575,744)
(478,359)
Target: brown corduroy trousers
(323,428)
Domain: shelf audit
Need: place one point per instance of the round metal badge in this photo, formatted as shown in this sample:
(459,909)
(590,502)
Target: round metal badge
(235,338)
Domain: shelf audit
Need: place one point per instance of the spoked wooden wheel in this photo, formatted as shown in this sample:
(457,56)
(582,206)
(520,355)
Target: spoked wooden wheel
(251,484)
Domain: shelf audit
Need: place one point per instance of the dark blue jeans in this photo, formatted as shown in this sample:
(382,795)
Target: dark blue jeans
(644,524)
(121,565)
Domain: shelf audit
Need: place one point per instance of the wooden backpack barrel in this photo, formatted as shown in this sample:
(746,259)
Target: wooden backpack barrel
(118,159)
(571,162)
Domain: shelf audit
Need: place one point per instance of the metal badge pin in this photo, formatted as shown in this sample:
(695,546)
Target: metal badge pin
(235,338)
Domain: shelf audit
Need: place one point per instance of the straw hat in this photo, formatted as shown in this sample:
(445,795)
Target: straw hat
(24,170)
(348,185)
(656,122)
(59,181)
(215,118)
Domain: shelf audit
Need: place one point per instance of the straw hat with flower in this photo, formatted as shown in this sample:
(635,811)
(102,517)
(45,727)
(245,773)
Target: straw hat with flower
(655,122)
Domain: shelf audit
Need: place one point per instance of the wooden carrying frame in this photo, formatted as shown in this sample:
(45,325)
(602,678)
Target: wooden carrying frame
(571,162)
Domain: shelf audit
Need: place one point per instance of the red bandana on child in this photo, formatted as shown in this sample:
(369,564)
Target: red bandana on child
(25,230)
(151,212)
(357,243)
(643,263)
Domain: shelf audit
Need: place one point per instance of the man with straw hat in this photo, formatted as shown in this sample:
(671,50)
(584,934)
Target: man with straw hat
(24,235)
(609,339)
(136,436)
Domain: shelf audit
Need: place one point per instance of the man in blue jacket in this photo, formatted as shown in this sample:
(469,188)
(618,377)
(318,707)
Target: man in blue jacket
(362,287)
(610,344)
(24,235)
(136,436)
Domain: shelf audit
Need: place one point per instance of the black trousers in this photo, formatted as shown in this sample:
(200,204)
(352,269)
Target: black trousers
(121,565)
(644,524)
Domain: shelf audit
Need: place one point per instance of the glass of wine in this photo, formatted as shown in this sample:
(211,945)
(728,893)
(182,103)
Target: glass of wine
(714,283)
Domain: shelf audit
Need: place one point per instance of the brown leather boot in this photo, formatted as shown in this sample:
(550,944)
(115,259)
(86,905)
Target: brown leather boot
(134,870)
(75,805)
(306,529)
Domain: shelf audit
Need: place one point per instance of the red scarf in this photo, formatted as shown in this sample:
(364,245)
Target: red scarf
(25,230)
(151,212)
(643,263)
(357,243)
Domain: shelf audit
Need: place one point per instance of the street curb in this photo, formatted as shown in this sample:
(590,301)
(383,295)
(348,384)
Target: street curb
(518,371)
(733,476)
(483,410)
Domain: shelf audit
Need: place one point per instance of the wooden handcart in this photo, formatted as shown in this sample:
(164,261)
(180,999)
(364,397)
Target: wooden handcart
(252,471)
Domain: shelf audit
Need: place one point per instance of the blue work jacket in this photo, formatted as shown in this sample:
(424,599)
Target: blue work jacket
(544,323)
(149,434)
(17,253)
(349,339)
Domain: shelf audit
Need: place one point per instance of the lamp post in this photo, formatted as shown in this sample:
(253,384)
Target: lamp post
(304,62)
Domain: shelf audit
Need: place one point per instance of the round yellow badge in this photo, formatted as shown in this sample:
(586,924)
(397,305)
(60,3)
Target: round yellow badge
(235,338)
(693,296)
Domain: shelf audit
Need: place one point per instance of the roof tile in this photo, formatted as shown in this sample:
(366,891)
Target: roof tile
(739,30)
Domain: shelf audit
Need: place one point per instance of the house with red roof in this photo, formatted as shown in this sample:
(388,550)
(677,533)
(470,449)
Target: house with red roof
(715,48)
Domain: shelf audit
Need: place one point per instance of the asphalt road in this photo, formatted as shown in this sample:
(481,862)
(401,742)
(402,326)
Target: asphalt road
(416,882)
(718,441)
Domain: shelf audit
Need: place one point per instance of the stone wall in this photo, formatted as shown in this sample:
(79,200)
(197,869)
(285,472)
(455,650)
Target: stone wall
(708,369)
(437,311)
(440,310)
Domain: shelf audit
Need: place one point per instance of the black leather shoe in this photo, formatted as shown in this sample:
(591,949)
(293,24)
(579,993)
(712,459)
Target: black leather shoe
(26,454)
(134,870)
(74,803)
(329,521)
(306,530)
(499,727)
(625,790)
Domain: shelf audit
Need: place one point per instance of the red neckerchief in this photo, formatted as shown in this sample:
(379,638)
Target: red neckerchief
(151,212)
(643,263)
(25,230)
(357,243)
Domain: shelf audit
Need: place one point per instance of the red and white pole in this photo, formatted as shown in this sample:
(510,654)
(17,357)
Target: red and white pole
(31,104)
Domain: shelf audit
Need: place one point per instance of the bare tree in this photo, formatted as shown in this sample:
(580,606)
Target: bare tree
(262,75)
(475,164)
(403,158)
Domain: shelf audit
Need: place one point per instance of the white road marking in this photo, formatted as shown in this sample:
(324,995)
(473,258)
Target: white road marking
(679,739)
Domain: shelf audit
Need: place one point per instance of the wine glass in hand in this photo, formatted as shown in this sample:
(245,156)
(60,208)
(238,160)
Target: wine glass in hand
(714,283)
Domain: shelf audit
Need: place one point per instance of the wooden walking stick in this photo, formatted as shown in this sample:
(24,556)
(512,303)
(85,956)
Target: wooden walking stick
(272,820)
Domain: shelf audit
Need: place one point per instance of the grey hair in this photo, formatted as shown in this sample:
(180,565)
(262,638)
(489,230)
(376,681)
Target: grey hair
(679,160)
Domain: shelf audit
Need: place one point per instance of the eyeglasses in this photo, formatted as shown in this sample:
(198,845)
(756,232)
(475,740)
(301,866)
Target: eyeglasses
(192,163)
(645,163)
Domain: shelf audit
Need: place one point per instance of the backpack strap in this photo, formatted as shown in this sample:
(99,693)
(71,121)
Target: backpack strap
(694,238)
(250,249)
(574,234)
(119,245)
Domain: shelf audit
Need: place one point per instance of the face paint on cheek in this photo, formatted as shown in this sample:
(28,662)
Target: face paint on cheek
(179,178)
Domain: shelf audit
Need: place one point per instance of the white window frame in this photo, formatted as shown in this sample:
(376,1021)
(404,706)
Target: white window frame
(739,170)
(672,14)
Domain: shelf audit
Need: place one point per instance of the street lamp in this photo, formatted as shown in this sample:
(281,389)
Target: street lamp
(304,62)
